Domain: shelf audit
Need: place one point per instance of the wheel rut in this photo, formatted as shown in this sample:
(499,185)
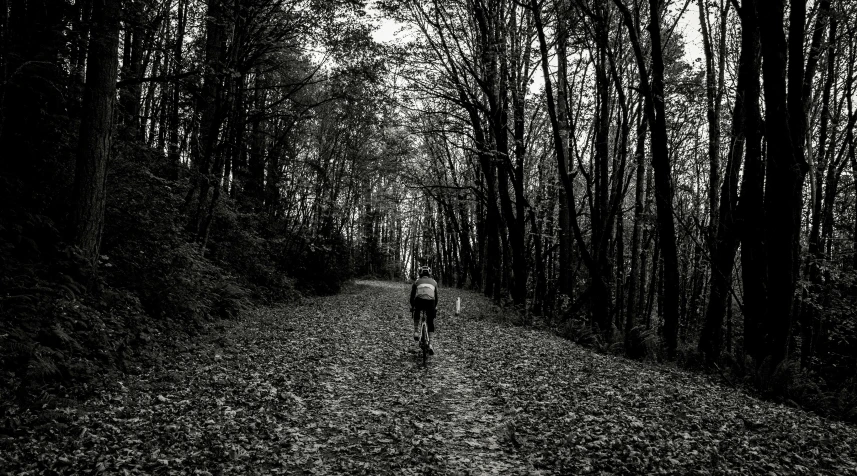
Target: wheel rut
(427,419)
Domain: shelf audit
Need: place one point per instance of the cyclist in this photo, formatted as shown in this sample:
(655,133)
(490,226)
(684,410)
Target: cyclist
(424,298)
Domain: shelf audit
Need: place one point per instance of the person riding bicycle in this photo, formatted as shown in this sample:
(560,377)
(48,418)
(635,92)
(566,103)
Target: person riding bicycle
(424,298)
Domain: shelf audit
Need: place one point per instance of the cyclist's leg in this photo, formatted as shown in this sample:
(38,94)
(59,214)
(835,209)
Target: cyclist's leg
(416,316)
(431,313)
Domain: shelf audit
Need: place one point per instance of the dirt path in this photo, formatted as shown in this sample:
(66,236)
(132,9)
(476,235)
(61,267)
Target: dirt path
(384,411)
(334,386)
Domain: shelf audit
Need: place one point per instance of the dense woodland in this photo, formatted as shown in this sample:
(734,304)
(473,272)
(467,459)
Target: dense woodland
(169,162)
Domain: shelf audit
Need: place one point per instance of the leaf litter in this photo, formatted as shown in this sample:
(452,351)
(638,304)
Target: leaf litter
(335,386)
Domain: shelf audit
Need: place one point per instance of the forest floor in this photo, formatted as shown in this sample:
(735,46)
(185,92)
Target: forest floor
(335,386)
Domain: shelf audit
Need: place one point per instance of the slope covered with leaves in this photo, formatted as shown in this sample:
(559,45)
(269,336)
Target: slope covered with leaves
(334,386)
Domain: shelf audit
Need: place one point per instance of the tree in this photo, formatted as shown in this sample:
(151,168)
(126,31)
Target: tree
(653,94)
(784,174)
(745,130)
(96,128)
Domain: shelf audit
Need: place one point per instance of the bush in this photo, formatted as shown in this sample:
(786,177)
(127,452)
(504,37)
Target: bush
(579,332)
(145,251)
(53,330)
(238,244)
(642,344)
(64,324)
(322,267)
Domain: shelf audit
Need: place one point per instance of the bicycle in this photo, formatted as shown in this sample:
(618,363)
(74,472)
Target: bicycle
(424,342)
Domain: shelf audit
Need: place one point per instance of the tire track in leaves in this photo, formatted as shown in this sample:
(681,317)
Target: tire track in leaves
(474,430)
(384,412)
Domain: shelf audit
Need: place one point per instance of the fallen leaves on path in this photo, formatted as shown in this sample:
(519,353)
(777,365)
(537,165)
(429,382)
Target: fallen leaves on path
(334,386)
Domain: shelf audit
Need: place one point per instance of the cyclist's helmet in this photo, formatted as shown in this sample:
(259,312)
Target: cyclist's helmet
(424,271)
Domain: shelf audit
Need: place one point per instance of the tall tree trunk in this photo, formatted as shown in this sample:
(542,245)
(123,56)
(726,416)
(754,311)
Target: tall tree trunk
(819,164)
(619,321)
(468,261)
(619,183)
(663,185)
(211,117)
(96,127)
(518,68)
(538,303)
(598,281)
(640,160)
(809,314)
(601,217)
(81,25)
(849,140)
(744,118)
(565,285)
(649,234)
(751,213)
(236,164)
(784,174)
(655,110)
(132,70)
(713,117)
(254,182)
(656,279)
(493,255)
(173,150)
(492,273)
(495,64)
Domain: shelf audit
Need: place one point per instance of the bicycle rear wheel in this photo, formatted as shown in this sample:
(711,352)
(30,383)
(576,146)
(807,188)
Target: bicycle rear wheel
(424,342)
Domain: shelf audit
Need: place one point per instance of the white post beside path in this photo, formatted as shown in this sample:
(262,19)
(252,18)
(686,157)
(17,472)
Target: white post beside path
(457,306)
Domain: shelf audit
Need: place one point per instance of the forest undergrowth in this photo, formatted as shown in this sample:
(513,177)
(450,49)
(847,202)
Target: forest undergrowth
(65,328)
(333,385)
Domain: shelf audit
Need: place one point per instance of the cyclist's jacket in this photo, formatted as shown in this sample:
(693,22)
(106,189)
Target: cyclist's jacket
(424,288)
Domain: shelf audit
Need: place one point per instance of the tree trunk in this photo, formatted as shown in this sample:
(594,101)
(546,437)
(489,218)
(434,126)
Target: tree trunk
(492,220)
(744,118)
(655,112)
(640,159)
(96,127)
(663,185)
(565,285)
(211,117)
(81,25)
(598,280)
(601,215)
(495,64)
(713,105)
(173,151)
(809,316)
(784,174)
(132,70)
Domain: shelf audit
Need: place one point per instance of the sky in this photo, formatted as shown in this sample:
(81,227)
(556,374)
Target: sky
(688,24)
(388,30)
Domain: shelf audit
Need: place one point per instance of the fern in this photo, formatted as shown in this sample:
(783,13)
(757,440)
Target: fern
(642,343)
(43,367)
(21,349)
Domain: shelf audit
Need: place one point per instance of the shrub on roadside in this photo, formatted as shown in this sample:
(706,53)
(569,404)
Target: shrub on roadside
(577,331)
(53,328)
(642,344)
(239,244)
(321,267)
(145,250)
